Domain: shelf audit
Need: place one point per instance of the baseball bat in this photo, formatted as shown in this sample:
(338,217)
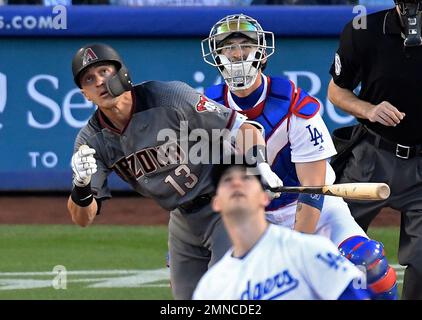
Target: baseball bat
(357,191)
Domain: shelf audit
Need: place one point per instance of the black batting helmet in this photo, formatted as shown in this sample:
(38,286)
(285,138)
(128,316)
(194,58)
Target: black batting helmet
(91,54)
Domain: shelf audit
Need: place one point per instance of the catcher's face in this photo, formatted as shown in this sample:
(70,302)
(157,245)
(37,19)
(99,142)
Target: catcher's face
(239,191)
(93,82)
(238,49)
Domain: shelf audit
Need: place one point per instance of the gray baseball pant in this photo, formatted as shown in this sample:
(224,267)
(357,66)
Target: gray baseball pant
(196,241)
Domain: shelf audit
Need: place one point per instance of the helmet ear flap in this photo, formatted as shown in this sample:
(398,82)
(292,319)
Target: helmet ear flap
(119,83)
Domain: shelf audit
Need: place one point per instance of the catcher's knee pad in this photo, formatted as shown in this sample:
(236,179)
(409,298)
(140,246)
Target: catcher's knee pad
(380,277)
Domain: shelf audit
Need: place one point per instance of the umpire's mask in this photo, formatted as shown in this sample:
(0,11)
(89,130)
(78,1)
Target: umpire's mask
(410,15)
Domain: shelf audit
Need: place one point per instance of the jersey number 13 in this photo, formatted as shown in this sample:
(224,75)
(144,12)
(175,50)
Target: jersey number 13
(191,178)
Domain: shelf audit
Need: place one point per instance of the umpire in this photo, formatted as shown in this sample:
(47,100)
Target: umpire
(386,146)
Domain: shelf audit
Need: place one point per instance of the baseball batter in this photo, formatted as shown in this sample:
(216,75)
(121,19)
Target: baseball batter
(143,133)
(268,261)
(298,143)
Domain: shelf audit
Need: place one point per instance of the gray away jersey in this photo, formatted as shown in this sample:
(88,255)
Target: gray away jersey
(160,170)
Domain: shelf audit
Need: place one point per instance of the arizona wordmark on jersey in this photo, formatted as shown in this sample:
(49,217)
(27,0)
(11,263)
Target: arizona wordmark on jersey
(153,152)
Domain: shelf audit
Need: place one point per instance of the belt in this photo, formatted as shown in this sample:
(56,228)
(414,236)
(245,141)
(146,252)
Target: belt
(197,203)
(399,150)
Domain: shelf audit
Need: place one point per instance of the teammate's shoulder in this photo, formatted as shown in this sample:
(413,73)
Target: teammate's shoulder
(218,270)
(284,234)
(307,241)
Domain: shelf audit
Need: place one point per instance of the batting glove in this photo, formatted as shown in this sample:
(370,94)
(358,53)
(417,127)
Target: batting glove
(83,166)
(270,179)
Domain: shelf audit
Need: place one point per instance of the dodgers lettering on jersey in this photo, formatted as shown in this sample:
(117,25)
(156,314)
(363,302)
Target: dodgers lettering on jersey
(154,168)
(283,265)
(270,288)
(294,130)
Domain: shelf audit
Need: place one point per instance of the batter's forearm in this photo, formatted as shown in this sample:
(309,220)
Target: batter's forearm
(82,216)
(307,212)
(347,101)
(249,136)
(307,218)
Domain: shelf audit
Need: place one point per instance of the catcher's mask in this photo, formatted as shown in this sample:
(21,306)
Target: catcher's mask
(240,74)
(92,54)
(410,15)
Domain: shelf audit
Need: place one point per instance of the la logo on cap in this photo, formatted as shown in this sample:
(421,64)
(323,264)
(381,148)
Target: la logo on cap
(89,55)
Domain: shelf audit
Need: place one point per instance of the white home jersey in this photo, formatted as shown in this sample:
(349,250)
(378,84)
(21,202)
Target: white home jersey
(295,133)
(293,129)
(301,134)
(283,265)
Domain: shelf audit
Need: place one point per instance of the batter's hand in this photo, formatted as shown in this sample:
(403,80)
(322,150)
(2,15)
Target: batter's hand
(386,114)
(270,179)
(83,165)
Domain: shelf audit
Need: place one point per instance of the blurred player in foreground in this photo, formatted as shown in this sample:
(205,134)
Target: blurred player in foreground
(268,261)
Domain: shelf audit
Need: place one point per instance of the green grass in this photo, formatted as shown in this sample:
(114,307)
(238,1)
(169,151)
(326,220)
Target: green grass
(38,248)
(389,236)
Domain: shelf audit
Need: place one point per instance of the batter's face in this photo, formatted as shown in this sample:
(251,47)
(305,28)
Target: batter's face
(238,191)
(93,83)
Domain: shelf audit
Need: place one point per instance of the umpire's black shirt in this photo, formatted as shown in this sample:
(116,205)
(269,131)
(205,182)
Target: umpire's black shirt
(376,58)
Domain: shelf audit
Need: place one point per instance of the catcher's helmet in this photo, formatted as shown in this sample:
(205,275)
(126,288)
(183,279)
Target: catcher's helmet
(91,54)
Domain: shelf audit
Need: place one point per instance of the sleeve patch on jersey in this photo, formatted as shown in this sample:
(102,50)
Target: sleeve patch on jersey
(337,64)
(316,136)
(204,105)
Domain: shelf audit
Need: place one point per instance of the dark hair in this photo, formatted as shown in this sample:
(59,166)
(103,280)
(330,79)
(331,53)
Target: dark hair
(218,170)
(235,35)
